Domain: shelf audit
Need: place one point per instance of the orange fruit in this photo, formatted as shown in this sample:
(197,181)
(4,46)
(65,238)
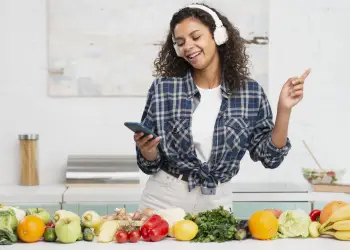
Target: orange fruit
(329,209)
(31,229)
(263,225)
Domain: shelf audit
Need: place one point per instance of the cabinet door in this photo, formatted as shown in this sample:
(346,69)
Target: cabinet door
(111,207)
(71,207)
(101,209)
(243,210)
(131,207)
(319,205)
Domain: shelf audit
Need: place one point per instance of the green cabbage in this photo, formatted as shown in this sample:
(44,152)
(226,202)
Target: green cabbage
(8,220)
(294,223)
(20,214)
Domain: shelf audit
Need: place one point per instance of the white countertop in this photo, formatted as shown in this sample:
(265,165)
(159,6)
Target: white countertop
(28,194)
(244,191)
(296,197)
(275,187)
(59,193)
(134,194)
(102,194)
(285,244)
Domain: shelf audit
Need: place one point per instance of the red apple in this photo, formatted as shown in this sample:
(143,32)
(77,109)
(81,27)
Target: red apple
(50,224)
(276,212)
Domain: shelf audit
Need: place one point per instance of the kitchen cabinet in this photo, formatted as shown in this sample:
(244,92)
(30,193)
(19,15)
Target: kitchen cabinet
(100,208)
(243,210)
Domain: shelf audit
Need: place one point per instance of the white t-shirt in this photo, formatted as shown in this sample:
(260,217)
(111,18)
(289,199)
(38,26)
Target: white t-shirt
(203,121)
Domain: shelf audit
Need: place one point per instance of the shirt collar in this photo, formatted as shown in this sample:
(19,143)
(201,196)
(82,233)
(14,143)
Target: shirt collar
(193,90)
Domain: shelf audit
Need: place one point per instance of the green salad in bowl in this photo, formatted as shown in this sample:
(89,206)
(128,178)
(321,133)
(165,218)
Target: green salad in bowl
(320,176)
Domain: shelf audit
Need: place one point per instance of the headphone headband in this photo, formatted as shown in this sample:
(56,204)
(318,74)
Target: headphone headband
(217,20)
(220,32)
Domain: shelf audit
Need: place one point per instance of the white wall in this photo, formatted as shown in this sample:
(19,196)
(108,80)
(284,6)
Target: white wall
(313,34)
(66,126)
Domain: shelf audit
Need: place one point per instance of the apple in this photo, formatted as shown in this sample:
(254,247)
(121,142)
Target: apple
(68,230)
(276,212)
(51,224)
(40,212)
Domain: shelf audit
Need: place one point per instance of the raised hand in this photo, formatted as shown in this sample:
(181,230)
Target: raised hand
(292,91)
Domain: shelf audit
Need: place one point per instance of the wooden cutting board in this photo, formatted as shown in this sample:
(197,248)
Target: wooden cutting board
(333,188)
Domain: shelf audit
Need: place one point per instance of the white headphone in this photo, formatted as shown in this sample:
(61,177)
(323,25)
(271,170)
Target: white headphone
(220,32)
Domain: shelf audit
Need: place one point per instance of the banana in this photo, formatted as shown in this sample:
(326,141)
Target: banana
(343,225)
(313,229)
(341,214)
(339,235)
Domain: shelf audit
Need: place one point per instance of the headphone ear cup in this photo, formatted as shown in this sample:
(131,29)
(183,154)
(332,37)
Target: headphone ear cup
(220,35)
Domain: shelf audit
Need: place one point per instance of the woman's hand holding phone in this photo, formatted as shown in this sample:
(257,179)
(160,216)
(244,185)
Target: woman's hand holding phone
(147,145)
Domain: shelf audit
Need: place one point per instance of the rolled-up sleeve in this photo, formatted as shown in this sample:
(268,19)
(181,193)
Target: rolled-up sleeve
(261,147)
(148,120)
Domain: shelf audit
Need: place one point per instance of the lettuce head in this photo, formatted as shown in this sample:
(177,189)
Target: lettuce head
(294,223)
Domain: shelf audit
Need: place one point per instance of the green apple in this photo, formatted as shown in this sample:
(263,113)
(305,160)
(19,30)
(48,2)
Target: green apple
(68,230)
(40,212)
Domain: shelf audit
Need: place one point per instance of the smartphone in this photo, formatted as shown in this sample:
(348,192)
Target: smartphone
(138,128)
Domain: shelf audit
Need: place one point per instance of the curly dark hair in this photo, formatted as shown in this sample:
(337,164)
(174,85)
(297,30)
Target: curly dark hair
(233,57)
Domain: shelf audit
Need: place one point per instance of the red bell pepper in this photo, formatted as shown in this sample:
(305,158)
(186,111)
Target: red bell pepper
(315,215)
(154,229)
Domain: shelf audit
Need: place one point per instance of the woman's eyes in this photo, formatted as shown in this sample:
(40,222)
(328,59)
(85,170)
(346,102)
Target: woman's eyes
(194,39)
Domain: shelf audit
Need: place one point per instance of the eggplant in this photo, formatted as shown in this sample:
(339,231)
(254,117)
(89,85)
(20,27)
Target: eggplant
(242,230)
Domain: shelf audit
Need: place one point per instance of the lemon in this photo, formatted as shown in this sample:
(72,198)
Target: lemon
(184,230)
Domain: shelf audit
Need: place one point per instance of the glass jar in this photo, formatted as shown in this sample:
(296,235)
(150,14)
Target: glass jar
(28,159)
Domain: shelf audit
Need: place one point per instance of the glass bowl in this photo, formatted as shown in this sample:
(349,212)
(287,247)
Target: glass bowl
(326,176)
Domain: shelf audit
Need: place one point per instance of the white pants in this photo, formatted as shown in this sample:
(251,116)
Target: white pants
(164,191)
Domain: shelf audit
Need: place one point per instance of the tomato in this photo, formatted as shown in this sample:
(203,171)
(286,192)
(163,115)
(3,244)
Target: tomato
(134,236)
(121,236)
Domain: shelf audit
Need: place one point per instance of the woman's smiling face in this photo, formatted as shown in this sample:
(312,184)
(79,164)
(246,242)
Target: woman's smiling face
(195,42)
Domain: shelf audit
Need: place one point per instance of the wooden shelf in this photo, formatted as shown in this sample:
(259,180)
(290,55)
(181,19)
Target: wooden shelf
(333,188)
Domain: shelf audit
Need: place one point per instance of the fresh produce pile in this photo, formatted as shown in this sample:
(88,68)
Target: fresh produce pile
(216,225)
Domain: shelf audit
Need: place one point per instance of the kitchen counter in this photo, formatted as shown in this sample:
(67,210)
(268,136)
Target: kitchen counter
(102,194)
(134,194)
(285,244)
(247,192)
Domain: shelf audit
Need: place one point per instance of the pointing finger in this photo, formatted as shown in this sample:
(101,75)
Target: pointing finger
(306,74)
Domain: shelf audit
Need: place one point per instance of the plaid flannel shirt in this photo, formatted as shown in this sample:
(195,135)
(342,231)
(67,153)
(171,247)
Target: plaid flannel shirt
(244,122)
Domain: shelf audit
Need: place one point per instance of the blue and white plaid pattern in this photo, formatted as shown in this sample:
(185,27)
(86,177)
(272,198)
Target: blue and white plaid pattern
(244,123)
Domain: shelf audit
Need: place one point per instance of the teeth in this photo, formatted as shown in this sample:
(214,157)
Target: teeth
(194,55)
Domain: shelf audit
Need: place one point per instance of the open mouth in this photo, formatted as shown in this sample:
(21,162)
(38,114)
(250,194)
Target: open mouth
(193,55)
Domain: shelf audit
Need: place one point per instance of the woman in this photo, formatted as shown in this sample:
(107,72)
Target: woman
(207,113)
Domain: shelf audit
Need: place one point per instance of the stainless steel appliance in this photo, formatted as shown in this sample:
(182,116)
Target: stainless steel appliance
(102,169)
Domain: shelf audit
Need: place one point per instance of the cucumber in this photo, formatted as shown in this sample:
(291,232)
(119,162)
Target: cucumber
(242,230)
(88,235)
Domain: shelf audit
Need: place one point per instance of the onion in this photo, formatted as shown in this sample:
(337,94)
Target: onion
(148,212)
(108,217)
(137,215)
(128,217)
